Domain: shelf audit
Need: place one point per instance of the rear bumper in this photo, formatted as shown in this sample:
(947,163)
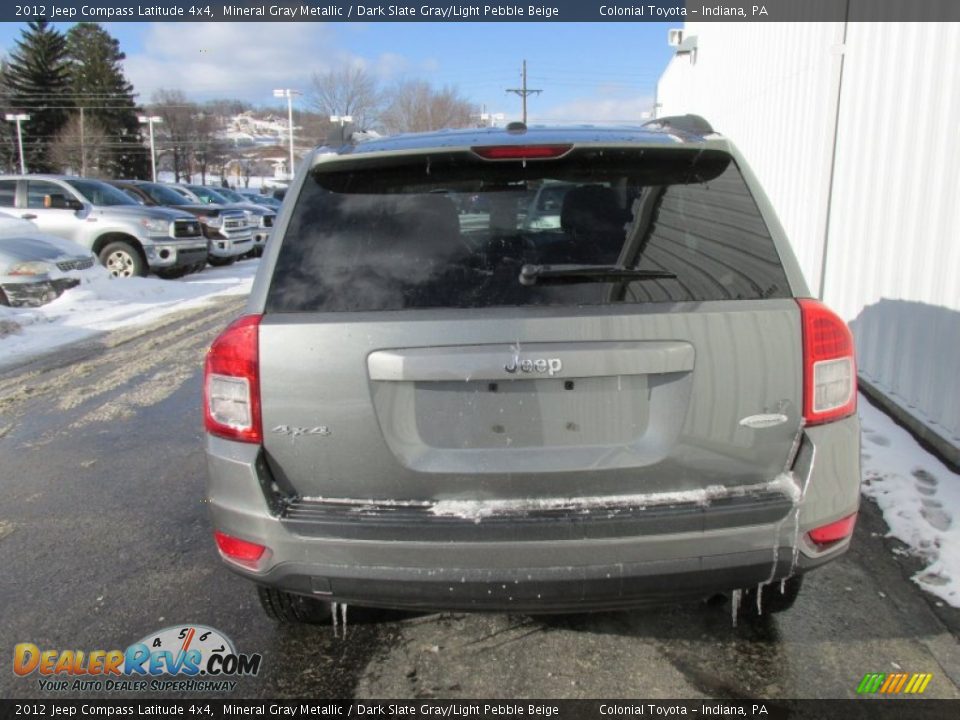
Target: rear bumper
(557,589)
(612,560)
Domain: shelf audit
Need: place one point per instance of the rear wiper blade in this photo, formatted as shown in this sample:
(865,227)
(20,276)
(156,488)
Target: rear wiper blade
(532,274)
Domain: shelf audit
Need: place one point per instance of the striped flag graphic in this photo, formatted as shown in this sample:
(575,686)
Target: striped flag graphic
(894,683)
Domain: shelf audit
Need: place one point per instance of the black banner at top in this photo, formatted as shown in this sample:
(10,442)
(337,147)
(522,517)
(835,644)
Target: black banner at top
(677,11)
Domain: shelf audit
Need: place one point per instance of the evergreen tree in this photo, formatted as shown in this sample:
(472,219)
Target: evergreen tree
(97,78)
(37,81)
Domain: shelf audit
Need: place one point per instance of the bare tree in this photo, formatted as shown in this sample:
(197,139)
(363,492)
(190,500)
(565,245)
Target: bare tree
(176,133)
(414,106)
(208,150)
(346,90)
(82,147)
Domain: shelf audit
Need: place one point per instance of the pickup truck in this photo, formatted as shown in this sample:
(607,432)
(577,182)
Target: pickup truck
(227,230)
(129,239)
(261,219)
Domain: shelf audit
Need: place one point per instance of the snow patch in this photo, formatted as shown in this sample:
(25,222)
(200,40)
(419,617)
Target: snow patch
(102,303)
(919,498)
(476,510)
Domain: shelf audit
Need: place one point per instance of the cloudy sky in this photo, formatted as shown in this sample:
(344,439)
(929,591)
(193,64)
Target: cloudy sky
(589,72)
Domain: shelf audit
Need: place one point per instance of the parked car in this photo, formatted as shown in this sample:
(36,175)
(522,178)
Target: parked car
(267,201)
(36,268)
(544,209)
(227,231)
(129,239)
(261,219)
(427,409)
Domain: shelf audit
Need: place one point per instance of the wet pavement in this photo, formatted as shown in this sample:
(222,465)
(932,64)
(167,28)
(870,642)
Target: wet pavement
(104,539)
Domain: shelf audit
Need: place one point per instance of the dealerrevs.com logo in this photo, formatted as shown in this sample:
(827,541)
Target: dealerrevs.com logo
(180,658)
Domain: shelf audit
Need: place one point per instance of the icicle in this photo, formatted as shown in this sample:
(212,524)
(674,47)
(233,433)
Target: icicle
(783,586)
(333,614)
(343,619)
(734,606)
(760,598)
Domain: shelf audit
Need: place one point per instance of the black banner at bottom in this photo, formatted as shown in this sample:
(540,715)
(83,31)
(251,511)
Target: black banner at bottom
(900,709)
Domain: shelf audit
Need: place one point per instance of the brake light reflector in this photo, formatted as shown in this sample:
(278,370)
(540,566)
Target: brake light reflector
(231,382)
(240,551)
(838,530)
(829,367)
(522,152)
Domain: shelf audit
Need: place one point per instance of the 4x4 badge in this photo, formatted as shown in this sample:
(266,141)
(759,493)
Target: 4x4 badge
(299,431)
(551,366)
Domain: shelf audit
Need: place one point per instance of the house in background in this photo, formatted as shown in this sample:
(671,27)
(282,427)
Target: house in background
(852,129)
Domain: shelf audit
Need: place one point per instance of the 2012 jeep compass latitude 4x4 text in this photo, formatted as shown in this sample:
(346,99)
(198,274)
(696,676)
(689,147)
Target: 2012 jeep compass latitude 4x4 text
(432,403)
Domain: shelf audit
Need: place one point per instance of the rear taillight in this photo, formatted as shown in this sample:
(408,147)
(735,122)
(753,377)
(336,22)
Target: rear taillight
(231,382)
(834,532)
(240,551)
(829,368)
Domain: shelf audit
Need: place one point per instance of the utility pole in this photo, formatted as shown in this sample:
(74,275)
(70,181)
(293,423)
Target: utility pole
(83,147)
(524,91)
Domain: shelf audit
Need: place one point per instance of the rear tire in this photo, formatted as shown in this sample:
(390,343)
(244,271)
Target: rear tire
(122,259)
(772,600)
(220,261)
(286,607)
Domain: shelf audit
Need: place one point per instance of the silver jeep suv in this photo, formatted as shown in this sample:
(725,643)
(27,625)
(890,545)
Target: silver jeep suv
(426,408)
(128,238)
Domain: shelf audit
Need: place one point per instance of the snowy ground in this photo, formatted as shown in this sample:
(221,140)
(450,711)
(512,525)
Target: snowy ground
(919,497)
(102,304)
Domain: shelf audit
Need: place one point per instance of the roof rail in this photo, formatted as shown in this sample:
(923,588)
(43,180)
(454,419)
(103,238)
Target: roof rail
(692,124)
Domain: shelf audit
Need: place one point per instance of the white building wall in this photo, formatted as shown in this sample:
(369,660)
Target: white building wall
(893,254)
(768,87)
(891,219)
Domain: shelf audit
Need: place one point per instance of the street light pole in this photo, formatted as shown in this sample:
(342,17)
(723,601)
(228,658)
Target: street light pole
(288,94)
(19,118)
(150,120)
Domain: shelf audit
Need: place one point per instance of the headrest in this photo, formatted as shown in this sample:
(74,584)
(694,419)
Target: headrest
(592,208)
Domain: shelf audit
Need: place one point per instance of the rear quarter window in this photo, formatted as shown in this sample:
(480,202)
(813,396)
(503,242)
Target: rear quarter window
(455,231)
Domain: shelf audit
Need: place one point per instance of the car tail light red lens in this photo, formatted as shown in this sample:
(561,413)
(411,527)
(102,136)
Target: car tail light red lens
(231,383)
(241,551)
(826,534)
(829,367)
(522,152)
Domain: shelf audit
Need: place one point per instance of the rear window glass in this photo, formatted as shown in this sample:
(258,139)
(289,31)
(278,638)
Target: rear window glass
(455,231)
(162,195)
